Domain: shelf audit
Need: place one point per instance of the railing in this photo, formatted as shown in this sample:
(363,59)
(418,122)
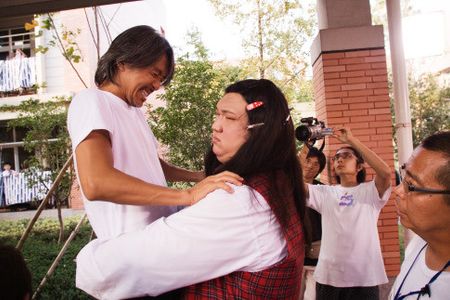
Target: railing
(17,65)
(21,187)
(17,74)
(12,41)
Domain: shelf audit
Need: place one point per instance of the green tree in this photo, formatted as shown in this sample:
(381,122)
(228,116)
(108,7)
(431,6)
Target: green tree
(430,107)
(184,125)
(274,34)
(47,140)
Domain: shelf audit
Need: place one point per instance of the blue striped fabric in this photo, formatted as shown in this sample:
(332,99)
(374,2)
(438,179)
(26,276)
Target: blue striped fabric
(23,188)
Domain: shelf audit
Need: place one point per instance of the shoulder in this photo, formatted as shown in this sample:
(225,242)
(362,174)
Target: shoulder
(414,245)
(242,198)
(88,93)
(368,186)
(87,97)
(322,187)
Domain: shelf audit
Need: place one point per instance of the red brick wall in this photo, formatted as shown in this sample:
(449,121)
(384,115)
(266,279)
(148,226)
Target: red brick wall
(75,201)
(351,89)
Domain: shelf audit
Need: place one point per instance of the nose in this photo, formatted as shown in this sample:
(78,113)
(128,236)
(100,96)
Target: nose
(156,84)
(399,193)
(216,125)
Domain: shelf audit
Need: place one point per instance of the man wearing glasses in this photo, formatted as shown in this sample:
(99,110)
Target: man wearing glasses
(423,204)
(350,262)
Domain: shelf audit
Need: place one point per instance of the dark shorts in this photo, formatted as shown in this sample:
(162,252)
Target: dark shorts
(328,292)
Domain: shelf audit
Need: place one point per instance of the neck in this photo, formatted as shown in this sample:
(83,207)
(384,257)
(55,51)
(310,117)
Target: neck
(438,252)
(112,88)
(308,180)
(348,180)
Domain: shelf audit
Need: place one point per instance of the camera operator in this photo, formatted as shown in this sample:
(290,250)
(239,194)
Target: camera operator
(313,162)
(350,263)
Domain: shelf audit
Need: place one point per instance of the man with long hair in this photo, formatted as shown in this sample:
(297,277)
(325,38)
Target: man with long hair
(122,179)
(248,244)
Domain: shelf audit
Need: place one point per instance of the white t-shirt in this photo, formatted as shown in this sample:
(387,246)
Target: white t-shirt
(350,253)
(220,234)
(420,275)
(134,149)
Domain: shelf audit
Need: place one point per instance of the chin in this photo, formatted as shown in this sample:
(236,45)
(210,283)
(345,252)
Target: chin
(405,223)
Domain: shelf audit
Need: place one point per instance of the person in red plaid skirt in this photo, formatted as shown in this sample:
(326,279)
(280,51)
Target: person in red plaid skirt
(244,245)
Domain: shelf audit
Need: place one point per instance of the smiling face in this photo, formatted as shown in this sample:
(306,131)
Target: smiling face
(426,214)
(311,168)
(229,127)
(134,85)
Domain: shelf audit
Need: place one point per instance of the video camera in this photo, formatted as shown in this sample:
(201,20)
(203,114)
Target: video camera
(311,130)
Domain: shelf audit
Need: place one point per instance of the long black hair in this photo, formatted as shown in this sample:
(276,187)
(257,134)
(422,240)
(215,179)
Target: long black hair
(138,47)
(270,149)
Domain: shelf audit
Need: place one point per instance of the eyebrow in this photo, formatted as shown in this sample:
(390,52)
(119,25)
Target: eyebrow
(408,172)
(225,111)
(161,73)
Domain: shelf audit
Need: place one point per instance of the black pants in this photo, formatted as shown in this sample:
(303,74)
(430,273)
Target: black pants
(328,292)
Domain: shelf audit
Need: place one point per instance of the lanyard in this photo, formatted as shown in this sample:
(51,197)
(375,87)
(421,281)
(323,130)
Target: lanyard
(426,288)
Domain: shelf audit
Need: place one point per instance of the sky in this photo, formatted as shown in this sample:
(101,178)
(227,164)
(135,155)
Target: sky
(177,17)
(423,35)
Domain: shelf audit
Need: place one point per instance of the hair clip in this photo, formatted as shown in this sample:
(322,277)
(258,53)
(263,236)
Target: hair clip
(254,125)
(254,105)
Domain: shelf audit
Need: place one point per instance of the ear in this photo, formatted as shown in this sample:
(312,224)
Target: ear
(359,167)
(121,66)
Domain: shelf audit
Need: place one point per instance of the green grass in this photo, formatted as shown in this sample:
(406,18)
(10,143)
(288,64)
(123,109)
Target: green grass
(40,250)
(401,241)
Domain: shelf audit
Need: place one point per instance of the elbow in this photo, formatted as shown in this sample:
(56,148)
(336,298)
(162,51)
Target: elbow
(92,189)
(385,174)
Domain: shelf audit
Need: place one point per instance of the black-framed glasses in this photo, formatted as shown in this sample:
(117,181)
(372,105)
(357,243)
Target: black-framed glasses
(409,187)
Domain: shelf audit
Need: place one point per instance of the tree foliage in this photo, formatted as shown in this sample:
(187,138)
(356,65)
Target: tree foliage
(184,125)
(47,141)
(46,134)
(274,34)
(430,107)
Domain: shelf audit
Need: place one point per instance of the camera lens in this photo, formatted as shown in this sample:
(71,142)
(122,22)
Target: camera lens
(302,133)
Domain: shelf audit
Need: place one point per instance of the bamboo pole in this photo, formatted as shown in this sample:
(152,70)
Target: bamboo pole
(43,203)
(58,258)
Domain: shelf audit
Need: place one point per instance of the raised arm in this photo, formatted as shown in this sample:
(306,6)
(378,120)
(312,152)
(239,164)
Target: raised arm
(100,180)
(382,170)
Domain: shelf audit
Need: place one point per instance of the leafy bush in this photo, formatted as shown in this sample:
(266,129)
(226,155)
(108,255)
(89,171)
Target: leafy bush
(40,250)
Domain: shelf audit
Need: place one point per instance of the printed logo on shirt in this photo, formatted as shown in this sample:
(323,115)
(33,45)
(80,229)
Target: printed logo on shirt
(346,200)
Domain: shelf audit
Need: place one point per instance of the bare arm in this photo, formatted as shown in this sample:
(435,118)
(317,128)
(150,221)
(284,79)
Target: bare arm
(382,170)
(100,180)
(173,173)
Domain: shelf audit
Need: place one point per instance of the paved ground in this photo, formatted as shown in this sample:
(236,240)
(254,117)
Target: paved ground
(46,213)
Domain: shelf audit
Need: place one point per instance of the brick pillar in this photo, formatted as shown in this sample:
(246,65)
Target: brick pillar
(75,201)
(351,89)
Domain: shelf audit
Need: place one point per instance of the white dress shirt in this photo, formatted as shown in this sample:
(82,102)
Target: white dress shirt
(221,234)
